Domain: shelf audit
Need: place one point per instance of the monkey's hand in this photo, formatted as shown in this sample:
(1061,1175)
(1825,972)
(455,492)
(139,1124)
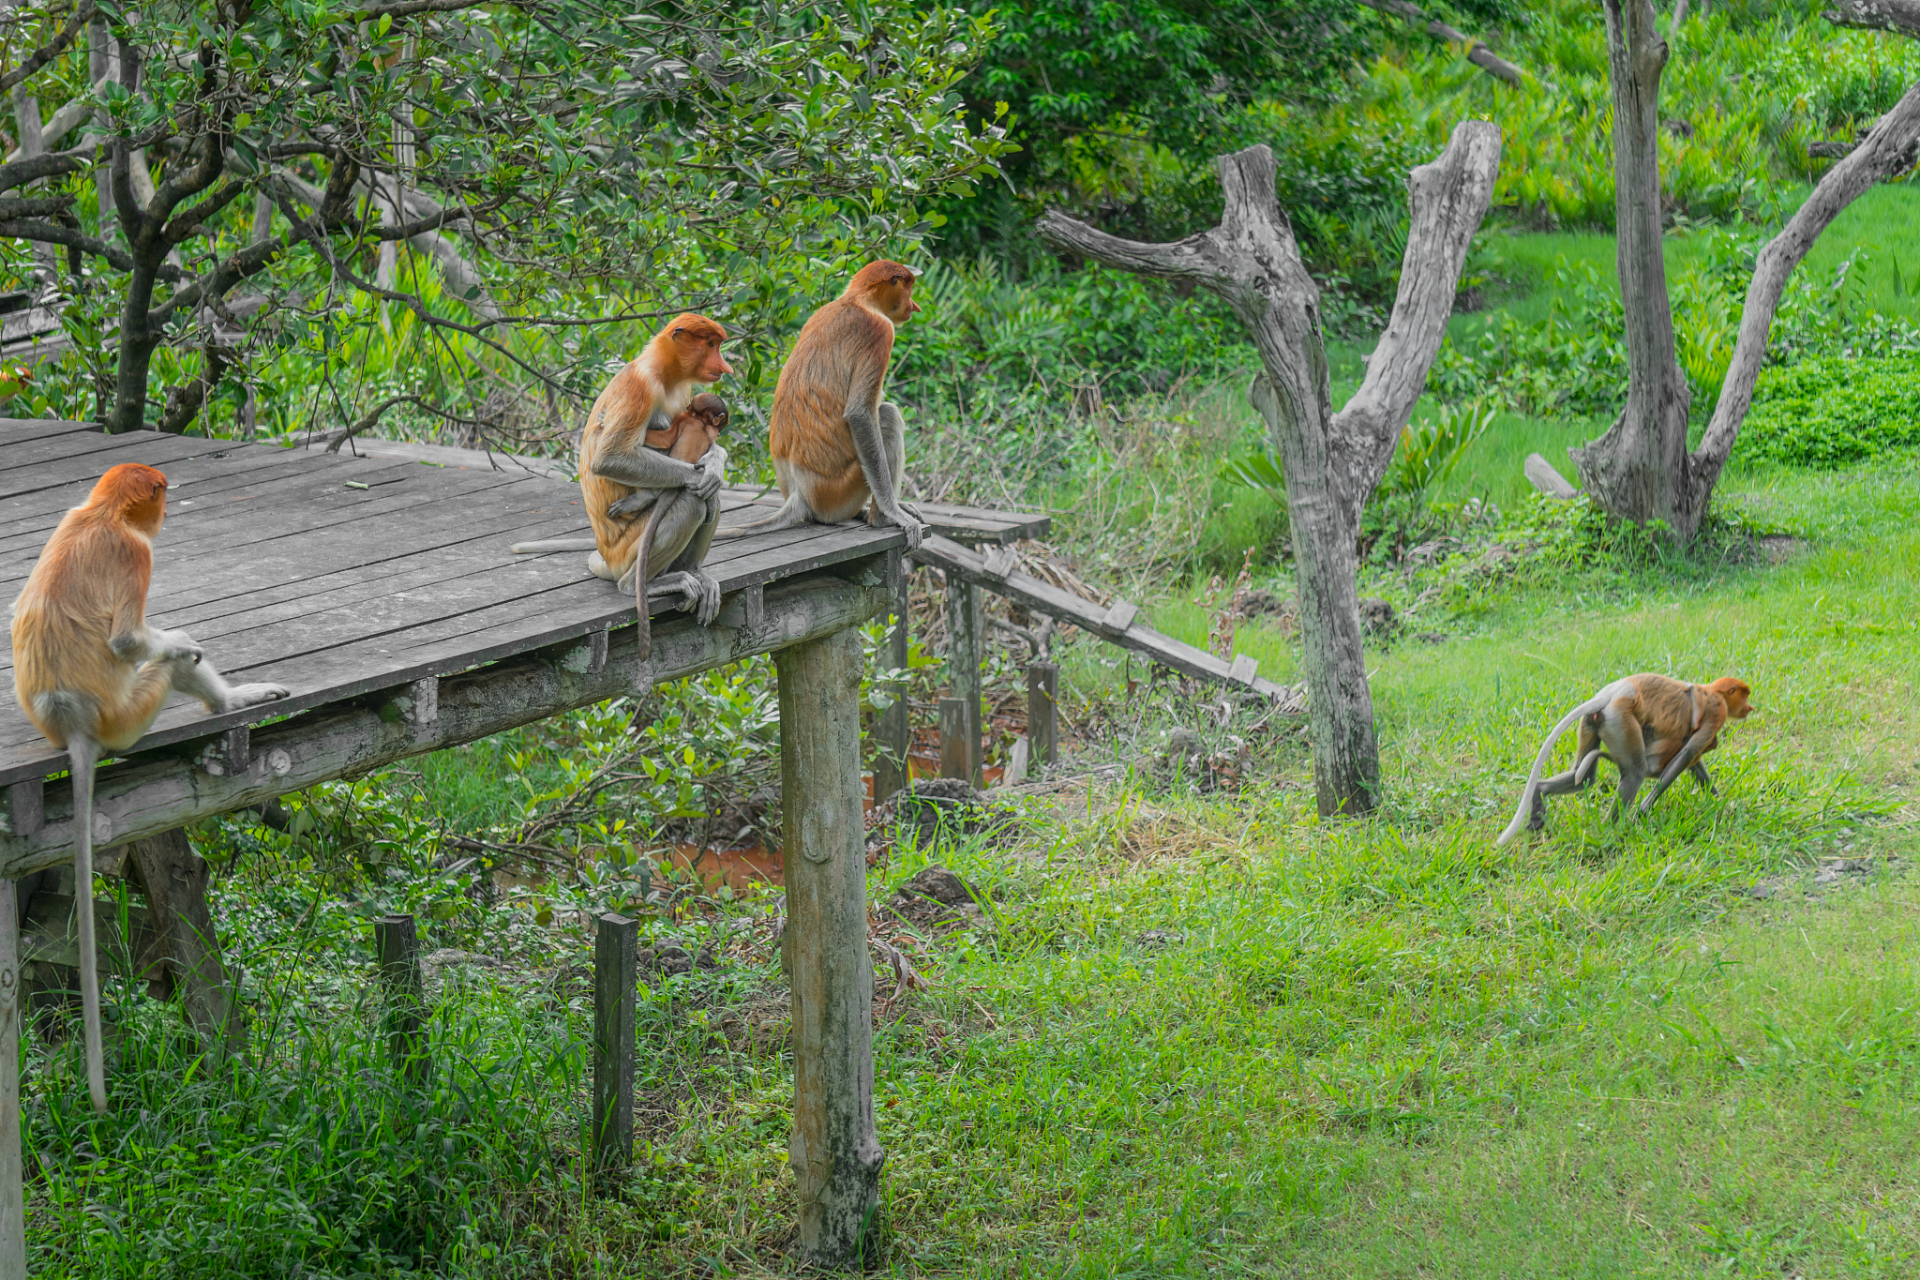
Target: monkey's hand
(706,480)
(174,646)
(634,503)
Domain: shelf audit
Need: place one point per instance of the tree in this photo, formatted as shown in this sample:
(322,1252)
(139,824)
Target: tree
(1332,461)
(1641,468)
(564,163)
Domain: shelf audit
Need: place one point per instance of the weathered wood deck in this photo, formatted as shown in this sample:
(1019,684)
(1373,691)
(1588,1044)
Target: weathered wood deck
(344,576)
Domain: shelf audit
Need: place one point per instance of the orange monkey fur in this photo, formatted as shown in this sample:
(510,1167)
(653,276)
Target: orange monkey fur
(92,675)
(1645,724)
(829,403)
(657,382)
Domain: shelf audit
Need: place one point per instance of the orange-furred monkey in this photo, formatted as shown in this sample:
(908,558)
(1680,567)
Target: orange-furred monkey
(92,675)
(1644,724)
(687,438)
(836,444)
(618,469)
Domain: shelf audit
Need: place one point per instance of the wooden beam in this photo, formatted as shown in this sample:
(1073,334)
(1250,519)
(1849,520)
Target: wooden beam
(955,760)
(162,790)
(616,959)
(1043,597)
(835,1151)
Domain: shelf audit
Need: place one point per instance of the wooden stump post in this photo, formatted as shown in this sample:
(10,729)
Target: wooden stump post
(1043,724)
(13,1204)
(174,880)
(954,760)
(616,960)
(405,1014)
(964,620)
(892,770)
(835,1152)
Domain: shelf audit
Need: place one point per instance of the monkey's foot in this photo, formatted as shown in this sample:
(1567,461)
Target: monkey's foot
(252,695)
(700,591)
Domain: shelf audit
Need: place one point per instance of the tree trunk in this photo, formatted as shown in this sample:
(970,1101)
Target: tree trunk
(1332,461)
(1638,469)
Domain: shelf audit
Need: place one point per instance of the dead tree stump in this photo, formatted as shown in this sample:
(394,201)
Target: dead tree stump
(1332,461)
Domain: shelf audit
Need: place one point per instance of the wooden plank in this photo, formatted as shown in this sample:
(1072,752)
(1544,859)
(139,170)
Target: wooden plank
(1043,703)
(81,458)
(199,476)
(13,1202)
(966,626)
(173,879)
(450,456)
(15,430)
(1242,669)
(1117,619)
(1044,597)
(164,789)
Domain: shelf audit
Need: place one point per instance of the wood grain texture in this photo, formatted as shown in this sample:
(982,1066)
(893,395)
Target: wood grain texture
(285,569)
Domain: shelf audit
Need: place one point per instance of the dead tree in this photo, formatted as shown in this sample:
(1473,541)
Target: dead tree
(1641,469)
(1332,461)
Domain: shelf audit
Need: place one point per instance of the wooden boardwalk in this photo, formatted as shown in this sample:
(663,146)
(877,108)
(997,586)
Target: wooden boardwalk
(338,576)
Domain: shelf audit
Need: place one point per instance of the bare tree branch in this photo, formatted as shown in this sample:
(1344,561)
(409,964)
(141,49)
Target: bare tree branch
(1477,52)
(1899,16)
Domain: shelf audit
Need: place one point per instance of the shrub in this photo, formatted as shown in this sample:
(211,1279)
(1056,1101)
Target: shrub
(1830,411)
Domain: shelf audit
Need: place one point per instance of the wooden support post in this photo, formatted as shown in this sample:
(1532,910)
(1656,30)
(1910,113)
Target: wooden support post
(954,762)
(835,1152)
(1043,724)
(892,771)
(964,620)
(406,1015)
(616,961)
(13,1204)
(174,879)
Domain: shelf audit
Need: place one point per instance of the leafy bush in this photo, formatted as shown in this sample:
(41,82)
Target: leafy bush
(1831,411)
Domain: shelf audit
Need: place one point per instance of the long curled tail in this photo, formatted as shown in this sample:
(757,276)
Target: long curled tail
(794,511)
(83,753)
(1587,708)
(554,544)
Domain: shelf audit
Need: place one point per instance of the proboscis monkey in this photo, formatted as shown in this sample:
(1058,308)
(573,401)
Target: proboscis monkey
(689,437)
(835,443)
(92,675)
(615,463)
(1645,724)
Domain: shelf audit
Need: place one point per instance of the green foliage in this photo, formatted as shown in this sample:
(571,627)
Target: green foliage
(1831,411)
(1431,448)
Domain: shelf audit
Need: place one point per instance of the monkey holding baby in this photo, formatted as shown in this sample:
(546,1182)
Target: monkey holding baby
(648,450)
(92,675)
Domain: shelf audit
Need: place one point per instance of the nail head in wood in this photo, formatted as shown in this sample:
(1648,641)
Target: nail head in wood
(616,958)
(398,947)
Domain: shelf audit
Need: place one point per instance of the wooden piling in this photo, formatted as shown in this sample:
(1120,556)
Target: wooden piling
(405,1015)
(835,1152)
(965,617)
(13,1205)
(616,959)
(891,768)
(954,761)
(1043,724)
(174,880)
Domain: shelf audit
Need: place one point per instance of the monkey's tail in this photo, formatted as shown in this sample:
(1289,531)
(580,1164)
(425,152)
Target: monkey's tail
(1567,721)
(643,635)
(82,753)
(554,544)
(794,511)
